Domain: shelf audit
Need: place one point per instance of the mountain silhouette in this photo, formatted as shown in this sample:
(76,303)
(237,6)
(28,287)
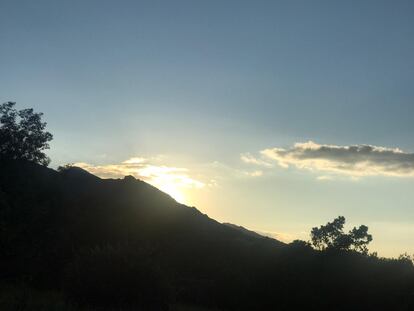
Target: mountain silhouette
(116,244)
(245,231)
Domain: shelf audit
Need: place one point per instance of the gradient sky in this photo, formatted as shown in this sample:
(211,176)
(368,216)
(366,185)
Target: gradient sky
(195,90)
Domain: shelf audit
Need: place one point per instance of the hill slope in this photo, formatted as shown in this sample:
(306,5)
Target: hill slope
(123,243)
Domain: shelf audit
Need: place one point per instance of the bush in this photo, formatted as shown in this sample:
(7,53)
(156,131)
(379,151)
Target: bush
(23,298)
(116,277)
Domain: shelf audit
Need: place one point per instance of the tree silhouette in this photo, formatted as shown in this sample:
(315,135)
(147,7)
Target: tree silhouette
(331,236)
(23,135)
(360,239)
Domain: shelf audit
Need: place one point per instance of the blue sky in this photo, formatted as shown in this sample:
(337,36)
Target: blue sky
(194,85)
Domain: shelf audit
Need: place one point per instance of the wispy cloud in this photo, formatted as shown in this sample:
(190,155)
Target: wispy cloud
(354,160)
(250,159)
(324,177)
(223,171)
(257,173)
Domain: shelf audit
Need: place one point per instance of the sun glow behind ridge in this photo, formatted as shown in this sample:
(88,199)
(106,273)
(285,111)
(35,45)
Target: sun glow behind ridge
(173,191)
(174,181)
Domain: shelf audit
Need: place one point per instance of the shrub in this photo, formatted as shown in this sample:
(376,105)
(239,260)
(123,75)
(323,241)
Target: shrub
(116,277)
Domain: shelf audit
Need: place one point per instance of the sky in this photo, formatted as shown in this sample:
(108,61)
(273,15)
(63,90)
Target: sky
(275,115)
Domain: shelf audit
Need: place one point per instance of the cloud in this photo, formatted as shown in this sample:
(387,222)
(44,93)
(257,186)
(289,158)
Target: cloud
(135,160)
(223,171)
(324,177)
(249,159)
(354,161)
(255,173)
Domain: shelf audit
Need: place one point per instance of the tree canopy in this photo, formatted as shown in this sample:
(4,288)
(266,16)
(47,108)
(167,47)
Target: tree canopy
(23,135)
(332,236)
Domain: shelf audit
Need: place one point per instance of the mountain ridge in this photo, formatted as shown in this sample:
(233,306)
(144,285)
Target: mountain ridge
(112,244)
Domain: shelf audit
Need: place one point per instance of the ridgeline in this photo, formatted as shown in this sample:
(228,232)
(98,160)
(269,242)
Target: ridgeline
(75,241)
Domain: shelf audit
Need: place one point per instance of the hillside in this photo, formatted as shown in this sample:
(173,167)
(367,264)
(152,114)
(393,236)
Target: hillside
(121,243)
(243,230)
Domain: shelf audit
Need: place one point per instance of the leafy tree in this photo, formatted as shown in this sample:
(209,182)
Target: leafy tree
(332,236)
(406,259)
(300,243)
(360,238)
(23,135)
(329,235)
(63,168)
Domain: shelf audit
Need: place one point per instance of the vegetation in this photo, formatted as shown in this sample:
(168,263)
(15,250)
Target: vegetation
(66,167)
(23,135)
(127,278)
(332,236)
(122,243)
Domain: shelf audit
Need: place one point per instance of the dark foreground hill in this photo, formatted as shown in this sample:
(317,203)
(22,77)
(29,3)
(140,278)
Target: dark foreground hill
(124,245)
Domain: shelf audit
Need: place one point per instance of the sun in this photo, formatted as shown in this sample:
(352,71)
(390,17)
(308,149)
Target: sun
(173,190)
(171,180)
